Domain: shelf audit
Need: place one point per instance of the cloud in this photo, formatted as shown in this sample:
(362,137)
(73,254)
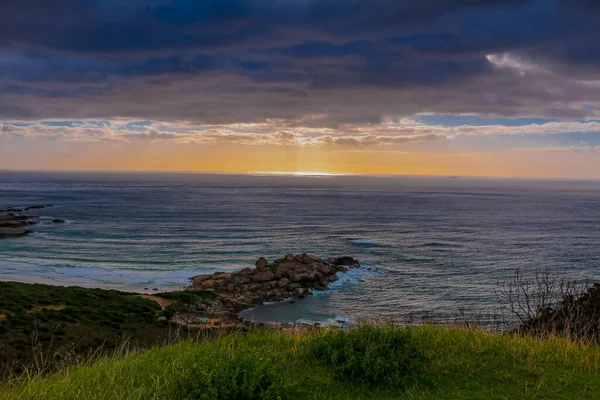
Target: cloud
(374,140)
(309,131)
(135,132)
(356,62)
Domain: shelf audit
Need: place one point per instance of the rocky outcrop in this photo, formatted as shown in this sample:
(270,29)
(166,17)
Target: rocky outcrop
(12,225)
(292,276)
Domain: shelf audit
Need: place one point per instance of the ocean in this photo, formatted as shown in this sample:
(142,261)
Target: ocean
(434,245)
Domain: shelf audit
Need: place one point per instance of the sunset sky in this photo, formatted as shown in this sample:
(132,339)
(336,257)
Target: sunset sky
(445,87)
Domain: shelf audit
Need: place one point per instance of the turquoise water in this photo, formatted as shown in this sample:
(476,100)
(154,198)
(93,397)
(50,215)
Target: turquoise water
(436,245)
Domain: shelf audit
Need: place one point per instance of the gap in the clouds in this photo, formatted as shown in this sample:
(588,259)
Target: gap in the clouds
(475,120)
(68,124)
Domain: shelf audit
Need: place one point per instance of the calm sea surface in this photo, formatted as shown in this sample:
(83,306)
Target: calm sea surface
(436,245)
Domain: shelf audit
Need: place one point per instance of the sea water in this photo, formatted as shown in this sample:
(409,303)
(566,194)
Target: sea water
(431,246)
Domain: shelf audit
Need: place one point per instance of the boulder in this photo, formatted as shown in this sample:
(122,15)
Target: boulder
(262,263)
(302,277)
(58,221)
(345,261)
(263,276)
(222,276)
(6,232)
(36,207)
(241,280)
(283,282)
(207,284)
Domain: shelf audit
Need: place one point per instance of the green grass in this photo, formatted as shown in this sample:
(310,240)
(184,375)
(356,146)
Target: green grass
(363,363)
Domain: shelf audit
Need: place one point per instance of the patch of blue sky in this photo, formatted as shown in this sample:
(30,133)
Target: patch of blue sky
(175,129)
(475,120)
(68,124)
(141,125)
(97,124)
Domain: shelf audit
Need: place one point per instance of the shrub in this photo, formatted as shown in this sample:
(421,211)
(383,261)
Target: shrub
(371,355)
(240,376)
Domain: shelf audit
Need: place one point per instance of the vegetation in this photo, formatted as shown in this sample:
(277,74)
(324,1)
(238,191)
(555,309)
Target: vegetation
(74,343)
(45,327)
(546,304)
(362,363)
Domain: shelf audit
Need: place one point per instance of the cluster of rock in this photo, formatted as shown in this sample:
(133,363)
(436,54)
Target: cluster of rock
(292,276)
(23,209)
(13,223)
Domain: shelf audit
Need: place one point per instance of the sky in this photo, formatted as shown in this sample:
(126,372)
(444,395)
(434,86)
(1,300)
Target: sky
(442,87)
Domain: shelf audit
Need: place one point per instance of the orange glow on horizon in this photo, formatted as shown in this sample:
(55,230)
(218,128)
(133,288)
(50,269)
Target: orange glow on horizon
(299,161)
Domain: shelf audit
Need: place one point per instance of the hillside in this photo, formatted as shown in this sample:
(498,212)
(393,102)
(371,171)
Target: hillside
(362,363)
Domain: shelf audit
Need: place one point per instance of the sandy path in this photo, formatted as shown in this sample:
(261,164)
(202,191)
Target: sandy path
(163,303)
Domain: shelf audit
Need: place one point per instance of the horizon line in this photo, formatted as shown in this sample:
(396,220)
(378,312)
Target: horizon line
(302,174)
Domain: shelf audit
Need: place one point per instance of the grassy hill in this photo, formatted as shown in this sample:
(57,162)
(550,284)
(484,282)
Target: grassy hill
(43,327)
(362,363)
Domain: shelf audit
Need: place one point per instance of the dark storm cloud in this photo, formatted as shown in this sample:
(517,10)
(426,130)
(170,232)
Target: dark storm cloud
(227,61)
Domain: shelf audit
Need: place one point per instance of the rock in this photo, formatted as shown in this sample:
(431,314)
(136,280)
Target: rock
(292,276)
(36,207)
(222,276)
(283,282)
(208,283)
(325,269)
(241,280)
(345,261)
(262,263)
(314,275)
(303,276)
(58,221)
(12,225)
(270,285)
(263,276)
(6,232)
(306,259)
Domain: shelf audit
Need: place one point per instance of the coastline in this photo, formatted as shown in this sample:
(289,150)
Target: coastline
(231,294)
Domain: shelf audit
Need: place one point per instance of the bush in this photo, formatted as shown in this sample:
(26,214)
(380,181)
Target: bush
(371,355)
(243,376)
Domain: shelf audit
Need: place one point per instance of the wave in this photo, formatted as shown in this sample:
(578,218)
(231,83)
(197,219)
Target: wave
(98,276)
(354,276)
(440,244)
(365,243)
(339,321)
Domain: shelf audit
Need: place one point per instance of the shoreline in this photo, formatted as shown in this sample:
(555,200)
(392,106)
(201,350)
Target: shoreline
(226,294)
